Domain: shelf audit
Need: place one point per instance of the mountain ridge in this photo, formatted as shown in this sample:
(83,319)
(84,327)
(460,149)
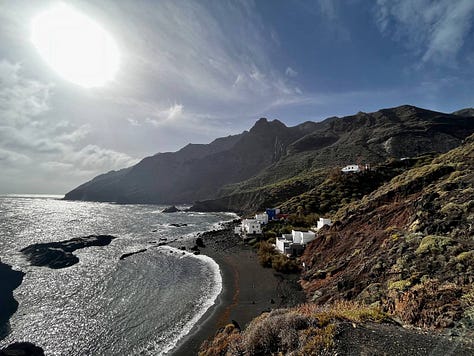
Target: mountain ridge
(271,152)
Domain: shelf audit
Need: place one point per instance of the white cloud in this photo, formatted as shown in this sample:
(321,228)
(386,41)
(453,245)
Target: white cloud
(98,159)
(290,72)
(133,122)
(21,100)
(35,147)
(11,158)
(434,30)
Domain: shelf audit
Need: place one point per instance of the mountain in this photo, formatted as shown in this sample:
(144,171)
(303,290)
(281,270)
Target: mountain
(271,162)
(195,171)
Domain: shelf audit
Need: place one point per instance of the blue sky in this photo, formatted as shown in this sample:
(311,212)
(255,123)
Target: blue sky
(192,71)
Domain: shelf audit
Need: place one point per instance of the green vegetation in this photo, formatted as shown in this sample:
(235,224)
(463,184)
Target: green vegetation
(269,257)
(432,243)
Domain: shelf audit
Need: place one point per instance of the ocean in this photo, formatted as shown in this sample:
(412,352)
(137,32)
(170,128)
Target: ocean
(141,305)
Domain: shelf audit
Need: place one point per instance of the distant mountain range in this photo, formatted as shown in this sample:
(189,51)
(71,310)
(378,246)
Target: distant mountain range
(232,172)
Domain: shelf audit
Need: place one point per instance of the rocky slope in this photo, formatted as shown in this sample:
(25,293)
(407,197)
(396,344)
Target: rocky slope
(407,247)
(233,170)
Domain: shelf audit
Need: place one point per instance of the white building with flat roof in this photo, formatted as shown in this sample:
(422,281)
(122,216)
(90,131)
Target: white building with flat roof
(302,237)
(251,227)
(322,222)
(263,218)
(352,168)
(294,243)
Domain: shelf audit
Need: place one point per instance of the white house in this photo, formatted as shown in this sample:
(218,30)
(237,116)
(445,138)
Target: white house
(322,222)
(294,243)
(262,218)
(303,237)
(251,227)
(352,168)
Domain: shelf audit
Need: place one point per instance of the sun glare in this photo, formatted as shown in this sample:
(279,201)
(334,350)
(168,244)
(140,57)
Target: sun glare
(76,47)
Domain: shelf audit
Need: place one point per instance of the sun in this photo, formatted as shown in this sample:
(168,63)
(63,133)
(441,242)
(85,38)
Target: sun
(76,47)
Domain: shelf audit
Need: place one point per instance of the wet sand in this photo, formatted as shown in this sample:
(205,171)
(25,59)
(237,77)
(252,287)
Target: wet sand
(248,289)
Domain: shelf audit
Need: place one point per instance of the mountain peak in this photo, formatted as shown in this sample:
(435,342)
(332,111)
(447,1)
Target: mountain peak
(467,112)
(264,124)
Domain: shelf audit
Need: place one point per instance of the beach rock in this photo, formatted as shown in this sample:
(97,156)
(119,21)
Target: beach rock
(10,280)
(125,255)
(22,349)
(200,242)
(170,209)
(59,254)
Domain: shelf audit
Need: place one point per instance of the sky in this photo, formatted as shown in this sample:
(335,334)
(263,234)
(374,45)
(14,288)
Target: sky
(192,71)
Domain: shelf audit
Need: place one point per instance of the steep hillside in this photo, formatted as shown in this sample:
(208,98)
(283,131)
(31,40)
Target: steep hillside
(196,171)
(247,166)
(407,247)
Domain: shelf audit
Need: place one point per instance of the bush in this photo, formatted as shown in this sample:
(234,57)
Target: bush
(265,253)
(281,263)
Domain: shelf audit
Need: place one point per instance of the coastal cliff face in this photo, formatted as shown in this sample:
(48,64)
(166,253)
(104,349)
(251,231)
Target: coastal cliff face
(229,172)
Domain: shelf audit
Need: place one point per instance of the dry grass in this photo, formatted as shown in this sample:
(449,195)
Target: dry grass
(304,330)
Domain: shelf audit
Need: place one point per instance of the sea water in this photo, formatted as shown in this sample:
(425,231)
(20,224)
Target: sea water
(142,304)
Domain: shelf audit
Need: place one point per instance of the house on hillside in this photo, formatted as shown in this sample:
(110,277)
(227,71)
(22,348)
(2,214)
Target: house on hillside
(272,213)
(352,168)
(322,222)
(251,227)
(294,244)
(262,218)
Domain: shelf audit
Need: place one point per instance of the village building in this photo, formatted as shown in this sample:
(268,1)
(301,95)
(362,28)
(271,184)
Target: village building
(294,244)
(249,227)
(322,222)
(262,218)
(352,168)
(272,213)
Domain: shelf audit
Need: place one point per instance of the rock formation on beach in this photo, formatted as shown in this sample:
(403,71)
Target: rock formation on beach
(60,254)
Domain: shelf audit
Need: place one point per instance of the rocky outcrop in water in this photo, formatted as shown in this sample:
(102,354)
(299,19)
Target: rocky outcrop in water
(125,255)
(171,209)
(22,349)
(60,254)
(10,280)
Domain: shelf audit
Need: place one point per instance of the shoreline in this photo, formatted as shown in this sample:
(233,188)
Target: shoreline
(248,289)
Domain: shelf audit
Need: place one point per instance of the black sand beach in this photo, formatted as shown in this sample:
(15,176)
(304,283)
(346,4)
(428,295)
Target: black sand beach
(248,288)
